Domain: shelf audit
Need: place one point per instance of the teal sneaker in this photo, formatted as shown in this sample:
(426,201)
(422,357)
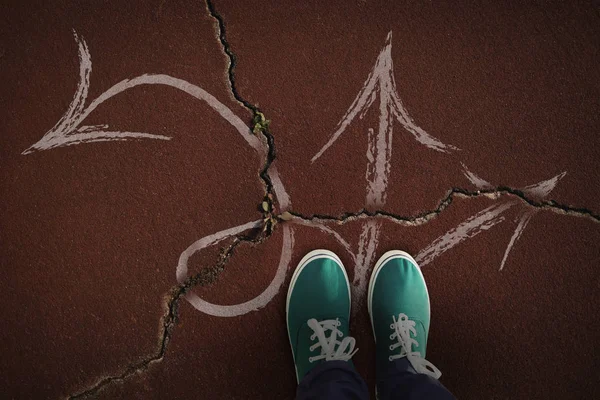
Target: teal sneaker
(398,304)
(318,312)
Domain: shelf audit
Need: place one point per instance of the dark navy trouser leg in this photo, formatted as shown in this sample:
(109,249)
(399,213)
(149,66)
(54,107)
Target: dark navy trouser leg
(402,382)
(338,380)
(335,380)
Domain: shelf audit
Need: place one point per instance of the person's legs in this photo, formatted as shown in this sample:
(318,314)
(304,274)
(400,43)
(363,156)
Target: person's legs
(402,381)
(318,318)
(333,380)
(398,305)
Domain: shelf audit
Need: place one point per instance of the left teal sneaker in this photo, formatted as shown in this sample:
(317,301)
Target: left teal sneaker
(318,312)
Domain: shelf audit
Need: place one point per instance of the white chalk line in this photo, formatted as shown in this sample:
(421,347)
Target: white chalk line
(207,241)
(478,182)
(524,220)
(542,189)
(259,301)
(367,246)
(283,198)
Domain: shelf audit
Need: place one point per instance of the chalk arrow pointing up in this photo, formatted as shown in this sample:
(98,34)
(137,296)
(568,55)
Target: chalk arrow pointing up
(381,80)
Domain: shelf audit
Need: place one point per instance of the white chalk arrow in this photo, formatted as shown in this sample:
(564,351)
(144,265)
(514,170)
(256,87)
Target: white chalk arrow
(488,218)
(70,131)
(381,80)
(538,191)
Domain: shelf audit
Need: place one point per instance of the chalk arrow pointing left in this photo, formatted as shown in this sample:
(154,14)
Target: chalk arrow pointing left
(70,131)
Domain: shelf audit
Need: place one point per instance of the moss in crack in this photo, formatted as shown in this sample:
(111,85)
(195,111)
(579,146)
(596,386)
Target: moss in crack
(259,123)
(269,218)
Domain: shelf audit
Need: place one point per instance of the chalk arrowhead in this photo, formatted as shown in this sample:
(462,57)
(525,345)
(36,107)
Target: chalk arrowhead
(68,130)
(381,81)
(540,190)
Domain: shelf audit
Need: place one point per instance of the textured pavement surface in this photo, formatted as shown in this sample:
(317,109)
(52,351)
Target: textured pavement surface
(149,227)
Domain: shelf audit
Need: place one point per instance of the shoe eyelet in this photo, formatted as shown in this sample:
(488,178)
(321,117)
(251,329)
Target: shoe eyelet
(389,358)
(391,326)
(310,359)
(392,336)
(391,347)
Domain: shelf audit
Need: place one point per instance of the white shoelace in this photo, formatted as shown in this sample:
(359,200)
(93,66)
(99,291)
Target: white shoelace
(403,327)
(345,348)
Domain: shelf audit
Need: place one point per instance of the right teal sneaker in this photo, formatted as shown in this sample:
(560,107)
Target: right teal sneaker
(398,304)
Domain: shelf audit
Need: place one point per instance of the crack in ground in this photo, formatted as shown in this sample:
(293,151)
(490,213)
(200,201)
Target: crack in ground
(426,216)
(205,277)
(232,59)
(257,115)
(208,275)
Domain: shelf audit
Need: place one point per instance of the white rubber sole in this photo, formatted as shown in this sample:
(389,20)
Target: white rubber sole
(311,256)
(378,266)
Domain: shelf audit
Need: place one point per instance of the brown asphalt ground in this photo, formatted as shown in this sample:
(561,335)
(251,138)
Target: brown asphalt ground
(91,234)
